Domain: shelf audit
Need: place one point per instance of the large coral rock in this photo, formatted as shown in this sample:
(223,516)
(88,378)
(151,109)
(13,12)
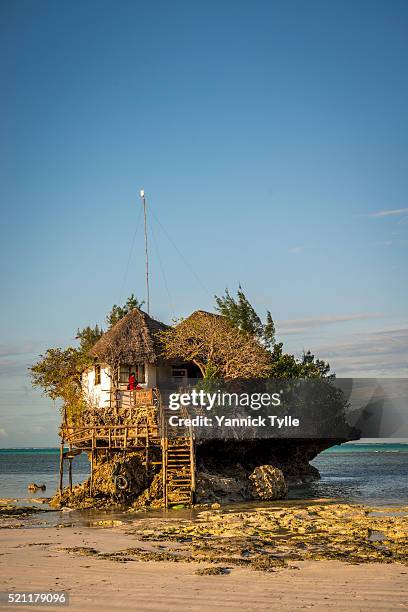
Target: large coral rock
(216,487)
(268,483)
(117,480)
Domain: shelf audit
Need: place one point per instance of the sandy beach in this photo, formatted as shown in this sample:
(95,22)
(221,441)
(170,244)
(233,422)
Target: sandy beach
(33,560)
(155,563)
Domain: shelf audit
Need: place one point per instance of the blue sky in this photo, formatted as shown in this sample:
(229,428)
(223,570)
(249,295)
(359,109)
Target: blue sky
(271,140)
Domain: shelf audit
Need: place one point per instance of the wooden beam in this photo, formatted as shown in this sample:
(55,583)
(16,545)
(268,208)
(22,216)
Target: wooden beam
(61,466)
(92,464)
(193,469)
(70,473)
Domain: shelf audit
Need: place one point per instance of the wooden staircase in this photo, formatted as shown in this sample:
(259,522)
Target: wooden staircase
(178,464)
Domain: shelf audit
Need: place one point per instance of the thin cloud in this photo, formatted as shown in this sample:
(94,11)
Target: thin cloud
(13,367)
(36,429)
(389,213)
(10,350)
(383,243)
(3,433)
(295,326)
(389,243)
(381,352)
(295,250)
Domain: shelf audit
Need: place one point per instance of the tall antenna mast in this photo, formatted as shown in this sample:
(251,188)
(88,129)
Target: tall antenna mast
(142,195)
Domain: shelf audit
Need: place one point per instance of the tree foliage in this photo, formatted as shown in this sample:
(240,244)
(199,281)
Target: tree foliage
(215,345)
(58,371)
(88,336)
(118,312)
(285,365)
(240,312)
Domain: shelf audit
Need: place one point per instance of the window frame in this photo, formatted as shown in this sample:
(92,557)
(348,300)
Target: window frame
(138,368)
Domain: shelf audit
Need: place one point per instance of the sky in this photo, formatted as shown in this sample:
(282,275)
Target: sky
(271,141)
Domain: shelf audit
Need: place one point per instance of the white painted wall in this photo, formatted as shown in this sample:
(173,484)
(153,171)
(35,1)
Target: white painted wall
(151,377)
(97,395)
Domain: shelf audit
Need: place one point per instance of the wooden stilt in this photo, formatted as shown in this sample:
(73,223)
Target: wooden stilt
(70,473)
(61,466)
(92,464)
(91,478)
(164,469)
(192,468)
(147,463)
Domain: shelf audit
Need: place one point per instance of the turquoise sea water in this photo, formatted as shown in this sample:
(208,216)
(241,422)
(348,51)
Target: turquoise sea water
(365,473)
(19,467)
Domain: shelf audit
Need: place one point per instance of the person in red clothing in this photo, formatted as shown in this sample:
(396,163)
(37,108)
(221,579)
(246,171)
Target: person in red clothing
(133,384)
(132,381)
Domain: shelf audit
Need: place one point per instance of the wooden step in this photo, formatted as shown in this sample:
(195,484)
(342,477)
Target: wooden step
(177,464)
(177,458)
(174,470)
(182,481)
(177,494)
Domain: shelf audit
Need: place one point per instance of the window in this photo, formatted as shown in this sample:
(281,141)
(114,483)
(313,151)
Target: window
(179,375)
(97,375)
(141,374)
(125,372)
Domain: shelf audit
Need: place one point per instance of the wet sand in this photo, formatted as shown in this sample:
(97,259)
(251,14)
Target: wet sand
(288,558)
(34,559)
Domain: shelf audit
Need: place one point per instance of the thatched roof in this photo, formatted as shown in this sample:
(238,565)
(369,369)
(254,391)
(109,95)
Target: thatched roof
(133,339)
(203,314)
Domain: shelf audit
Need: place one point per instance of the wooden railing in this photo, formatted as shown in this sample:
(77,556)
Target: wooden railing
(131,424)
(111,436)
(124,398)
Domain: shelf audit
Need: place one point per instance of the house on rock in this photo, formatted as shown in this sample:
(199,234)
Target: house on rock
(125,414)
(132,347)
(126,419)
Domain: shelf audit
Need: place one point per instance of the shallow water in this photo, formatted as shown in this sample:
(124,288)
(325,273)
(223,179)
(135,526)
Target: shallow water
(372,474)
(377,476)
(19,467)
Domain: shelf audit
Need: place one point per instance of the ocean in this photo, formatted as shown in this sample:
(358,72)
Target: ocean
(20,466)
(374,474)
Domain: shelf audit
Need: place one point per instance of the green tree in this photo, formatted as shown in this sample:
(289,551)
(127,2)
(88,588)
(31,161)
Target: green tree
(240,312)
(310,367)
(285,365)
(118,312)
(88,336)
(58,372)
